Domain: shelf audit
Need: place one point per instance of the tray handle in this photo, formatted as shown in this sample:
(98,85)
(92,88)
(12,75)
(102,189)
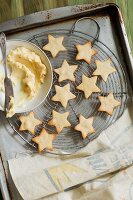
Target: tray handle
(98,27)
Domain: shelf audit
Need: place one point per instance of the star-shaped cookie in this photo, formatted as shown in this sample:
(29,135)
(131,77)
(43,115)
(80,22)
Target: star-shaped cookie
(54,45)
(88,85)
(63,94)
(59,120)
(85,52)
(103,69)
(108,103)
(85,126)
(29,122)
(44,140)
(66,71)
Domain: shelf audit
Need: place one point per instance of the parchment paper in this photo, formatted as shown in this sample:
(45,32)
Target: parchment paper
(102,170)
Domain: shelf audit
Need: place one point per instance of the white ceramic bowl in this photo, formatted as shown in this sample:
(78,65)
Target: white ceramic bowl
(29,104)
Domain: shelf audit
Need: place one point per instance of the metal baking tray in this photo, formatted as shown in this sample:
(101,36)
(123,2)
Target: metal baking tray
(112,33)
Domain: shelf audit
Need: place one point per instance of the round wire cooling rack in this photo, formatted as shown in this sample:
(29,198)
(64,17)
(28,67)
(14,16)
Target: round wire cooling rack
(70,140)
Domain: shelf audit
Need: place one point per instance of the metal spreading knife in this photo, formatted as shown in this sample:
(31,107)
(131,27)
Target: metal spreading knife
(7,81)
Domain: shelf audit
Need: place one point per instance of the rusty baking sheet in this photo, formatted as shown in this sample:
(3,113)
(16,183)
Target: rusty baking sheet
(112,34)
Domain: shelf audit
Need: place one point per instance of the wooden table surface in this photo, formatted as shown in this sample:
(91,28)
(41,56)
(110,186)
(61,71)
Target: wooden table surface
(13,8)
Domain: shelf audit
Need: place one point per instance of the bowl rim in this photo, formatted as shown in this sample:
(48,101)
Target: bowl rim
(51,69)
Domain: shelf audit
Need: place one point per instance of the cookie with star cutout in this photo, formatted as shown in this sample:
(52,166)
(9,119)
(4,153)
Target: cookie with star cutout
(54,45)
(88,86)
(85,126)
(66,71)
(108,103)
(29,122)
(85,52)
(44,140)
(59,120)
(63,94)
(104,69)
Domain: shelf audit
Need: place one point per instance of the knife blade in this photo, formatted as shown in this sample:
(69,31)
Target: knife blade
(7,81)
